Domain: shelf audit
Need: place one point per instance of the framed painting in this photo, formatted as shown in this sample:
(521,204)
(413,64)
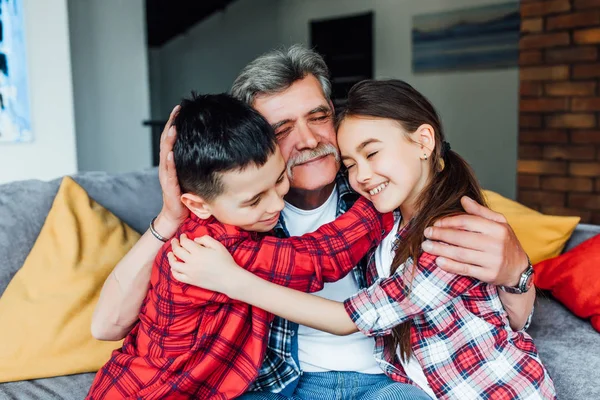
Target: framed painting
(483,37)
(15,123)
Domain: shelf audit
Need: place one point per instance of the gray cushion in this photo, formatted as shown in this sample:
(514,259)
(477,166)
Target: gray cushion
(569,348)
(568,345)
(23,209)
(134,197)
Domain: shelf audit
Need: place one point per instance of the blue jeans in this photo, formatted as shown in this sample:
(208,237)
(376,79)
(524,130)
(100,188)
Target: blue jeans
(345,386)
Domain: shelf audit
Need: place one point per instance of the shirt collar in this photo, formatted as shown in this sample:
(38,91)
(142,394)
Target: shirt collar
(401,232)
(345,191)
(346,197)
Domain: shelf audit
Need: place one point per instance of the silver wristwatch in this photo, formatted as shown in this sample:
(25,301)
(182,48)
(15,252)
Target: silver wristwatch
(525,282)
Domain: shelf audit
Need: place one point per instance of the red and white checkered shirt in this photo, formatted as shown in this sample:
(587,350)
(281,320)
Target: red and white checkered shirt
(460,333)
(195,343)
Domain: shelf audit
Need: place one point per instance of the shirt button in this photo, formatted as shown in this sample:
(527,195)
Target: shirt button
(293,333)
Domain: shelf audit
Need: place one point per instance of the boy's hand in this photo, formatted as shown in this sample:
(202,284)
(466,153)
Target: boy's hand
(173,212)
(481,245)
(205,263)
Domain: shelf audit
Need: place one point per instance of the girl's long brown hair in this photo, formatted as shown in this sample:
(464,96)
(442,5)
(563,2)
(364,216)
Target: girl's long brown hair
(451,176)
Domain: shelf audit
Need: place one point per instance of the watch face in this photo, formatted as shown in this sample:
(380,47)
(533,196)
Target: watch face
(529,282)
(528,275)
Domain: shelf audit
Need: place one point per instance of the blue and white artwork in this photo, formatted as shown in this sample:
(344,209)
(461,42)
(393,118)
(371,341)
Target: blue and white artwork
(15,123)
(467,39)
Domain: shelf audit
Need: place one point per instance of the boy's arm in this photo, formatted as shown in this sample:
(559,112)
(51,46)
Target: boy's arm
(302,263)
(326,255)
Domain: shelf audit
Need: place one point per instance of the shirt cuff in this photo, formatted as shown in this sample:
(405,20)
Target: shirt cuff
(528,322)
(364,314)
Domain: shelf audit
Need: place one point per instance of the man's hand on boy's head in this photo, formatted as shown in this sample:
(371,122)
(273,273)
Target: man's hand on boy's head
(173,212)
(203,262)
(479,244)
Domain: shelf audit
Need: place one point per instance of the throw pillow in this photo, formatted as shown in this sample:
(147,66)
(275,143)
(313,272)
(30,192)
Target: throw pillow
(573,279)
(542,236)
(47,308)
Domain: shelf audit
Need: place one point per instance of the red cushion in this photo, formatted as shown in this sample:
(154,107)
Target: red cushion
(574,279)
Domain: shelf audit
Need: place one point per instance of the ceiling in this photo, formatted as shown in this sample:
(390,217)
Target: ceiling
(166,19)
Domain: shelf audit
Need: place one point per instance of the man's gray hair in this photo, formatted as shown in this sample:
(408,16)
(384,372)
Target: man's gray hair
(277,70)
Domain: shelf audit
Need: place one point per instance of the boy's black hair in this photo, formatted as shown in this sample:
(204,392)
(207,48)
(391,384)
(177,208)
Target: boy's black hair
(217,133)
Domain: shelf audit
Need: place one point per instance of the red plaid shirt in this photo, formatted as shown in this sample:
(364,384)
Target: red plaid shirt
(194,343)
(460,333)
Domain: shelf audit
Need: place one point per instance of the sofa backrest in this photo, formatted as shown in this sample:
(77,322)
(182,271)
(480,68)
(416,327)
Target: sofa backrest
(133,197)
(582,233)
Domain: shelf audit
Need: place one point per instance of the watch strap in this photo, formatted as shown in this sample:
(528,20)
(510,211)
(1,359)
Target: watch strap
(522,286)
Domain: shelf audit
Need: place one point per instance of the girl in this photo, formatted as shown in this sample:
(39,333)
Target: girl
(445,333)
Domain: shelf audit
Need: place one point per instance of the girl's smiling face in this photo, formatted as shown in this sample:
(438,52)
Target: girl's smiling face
(385,163)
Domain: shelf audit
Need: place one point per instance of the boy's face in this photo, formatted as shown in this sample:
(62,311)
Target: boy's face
(253,198)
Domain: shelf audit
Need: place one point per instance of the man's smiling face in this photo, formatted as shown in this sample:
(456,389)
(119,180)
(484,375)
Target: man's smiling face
(303,120)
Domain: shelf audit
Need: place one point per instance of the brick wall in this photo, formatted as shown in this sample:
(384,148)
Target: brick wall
(559,116)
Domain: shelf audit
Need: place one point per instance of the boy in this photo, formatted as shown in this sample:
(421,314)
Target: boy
(194,343)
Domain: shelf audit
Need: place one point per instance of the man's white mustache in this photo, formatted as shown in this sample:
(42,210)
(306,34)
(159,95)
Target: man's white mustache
(305,156)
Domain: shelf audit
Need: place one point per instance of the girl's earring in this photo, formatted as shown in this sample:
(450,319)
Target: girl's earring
(424,154)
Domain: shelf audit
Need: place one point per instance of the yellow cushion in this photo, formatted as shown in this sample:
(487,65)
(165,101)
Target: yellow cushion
(46,310)
(542,236)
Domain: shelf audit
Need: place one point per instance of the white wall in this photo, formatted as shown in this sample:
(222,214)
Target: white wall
(111,84)
(155,83)
(211,54)
(479,109)
(52,153)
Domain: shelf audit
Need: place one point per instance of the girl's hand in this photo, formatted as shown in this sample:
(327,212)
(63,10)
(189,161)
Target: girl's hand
(204,262)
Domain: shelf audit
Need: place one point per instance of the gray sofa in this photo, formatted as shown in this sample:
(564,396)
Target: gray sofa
(568,345)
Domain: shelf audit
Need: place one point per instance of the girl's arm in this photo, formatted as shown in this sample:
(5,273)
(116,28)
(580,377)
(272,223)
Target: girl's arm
(303,308)
(374,311)
(519,308)
(412,290)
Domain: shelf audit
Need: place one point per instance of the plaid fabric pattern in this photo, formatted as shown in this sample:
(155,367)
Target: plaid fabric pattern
(194,343)
(279,368)
(460,333)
